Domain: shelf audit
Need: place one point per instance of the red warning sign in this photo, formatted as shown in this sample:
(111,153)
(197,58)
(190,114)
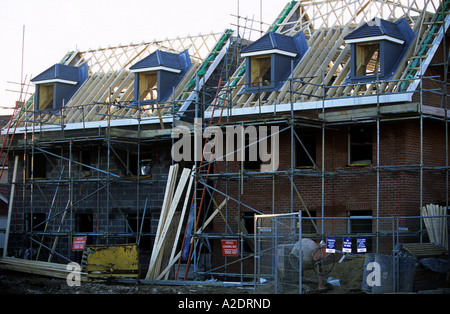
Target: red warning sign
(229,247)
(79,243)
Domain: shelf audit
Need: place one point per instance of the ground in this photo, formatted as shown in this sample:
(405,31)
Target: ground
(349,275)
(21,283)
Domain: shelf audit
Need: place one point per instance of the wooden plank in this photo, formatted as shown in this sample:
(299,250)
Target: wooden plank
(168,195)
(322,62)
(437,227)
(97,89)
(369,112)
(119,78)
(166,249)
(83,93)
(173,170)
(158,247)
(420,250)
(54,270)
(205,224)
(104,93)
(183,213)
(10,205)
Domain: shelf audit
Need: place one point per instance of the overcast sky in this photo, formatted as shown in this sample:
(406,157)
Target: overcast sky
(54,27)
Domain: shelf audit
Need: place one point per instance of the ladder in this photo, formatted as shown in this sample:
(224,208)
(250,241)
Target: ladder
(195,200)
(221,95)
(203,73)
(427,45)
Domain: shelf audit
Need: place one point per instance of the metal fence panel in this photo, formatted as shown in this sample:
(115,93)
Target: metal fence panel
(343,254)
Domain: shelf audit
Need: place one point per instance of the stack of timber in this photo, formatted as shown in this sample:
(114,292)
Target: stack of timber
(48,269)
(164,255)
(437,227)
(170,222)
(422,250)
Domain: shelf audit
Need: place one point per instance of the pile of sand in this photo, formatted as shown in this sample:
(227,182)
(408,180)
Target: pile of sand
(349,273)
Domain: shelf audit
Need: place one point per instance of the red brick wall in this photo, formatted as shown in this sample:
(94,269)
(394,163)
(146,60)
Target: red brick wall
(349,188)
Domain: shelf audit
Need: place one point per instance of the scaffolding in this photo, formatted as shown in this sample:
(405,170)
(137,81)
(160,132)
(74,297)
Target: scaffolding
(312,98)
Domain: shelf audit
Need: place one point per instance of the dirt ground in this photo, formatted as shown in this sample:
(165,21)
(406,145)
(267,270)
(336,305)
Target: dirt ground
(21,283)
(349,274)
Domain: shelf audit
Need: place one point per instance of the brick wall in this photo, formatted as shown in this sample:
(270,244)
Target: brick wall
(109,213)
(349,188)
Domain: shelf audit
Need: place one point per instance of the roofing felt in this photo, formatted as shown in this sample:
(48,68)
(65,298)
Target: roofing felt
(59,71)
(378,27)
(159,58)
(272,40)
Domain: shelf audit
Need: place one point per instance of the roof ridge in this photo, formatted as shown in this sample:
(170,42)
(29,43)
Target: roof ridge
(271,36)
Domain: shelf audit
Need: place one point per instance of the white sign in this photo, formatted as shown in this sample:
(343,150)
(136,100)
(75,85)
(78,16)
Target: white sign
(347,245)
(331,246)
(361,245)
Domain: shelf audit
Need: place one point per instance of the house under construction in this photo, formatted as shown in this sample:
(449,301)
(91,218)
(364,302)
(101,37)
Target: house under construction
(357,91)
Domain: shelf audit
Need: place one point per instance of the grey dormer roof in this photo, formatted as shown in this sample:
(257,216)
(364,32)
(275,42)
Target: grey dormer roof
(159,59)
(272,41)
(378,27)
(67,73)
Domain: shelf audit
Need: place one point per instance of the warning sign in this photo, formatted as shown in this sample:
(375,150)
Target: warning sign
(331,246)
(347,245)
(229,247)
(79,243)
(361,245)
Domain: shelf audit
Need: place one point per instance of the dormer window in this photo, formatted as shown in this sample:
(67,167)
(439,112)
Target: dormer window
(269,60)
(157,75)
(367,59)
(56,85)
(148,85)
(45,99)
(377,48)
(260,71)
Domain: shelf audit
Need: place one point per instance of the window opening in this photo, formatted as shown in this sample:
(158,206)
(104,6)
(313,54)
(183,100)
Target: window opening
(252,160)
(360,142)
(360,223)
(309,223)
(367,59)
(39,163)
(305,152)
(132,165)
(145,241)
(35,222)
(85,159)
(84,222)
(248,227)
(261,68)
(148,86)
(45,96)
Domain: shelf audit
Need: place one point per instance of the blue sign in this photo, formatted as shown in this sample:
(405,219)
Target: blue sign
(347,245)
(361,245)
(331,246)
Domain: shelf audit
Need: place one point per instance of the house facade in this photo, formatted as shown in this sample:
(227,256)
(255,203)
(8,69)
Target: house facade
(355,105)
